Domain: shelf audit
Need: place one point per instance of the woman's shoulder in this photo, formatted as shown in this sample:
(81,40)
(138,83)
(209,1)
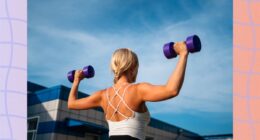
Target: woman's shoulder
(102,91)
(142,85)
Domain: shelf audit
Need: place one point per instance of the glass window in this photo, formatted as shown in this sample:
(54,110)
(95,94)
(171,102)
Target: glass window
(32,126)
(30,136)
(32,123)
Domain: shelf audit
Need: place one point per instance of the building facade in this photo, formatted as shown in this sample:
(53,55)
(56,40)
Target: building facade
(50,119)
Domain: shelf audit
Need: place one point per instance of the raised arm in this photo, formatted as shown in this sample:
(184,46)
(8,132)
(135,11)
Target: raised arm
(91,101)
(149,92)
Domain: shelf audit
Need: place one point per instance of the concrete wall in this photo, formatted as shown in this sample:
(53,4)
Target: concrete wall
(90,115)
(47,111)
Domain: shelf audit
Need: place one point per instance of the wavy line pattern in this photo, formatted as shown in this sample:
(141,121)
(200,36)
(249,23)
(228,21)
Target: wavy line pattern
(13,77)
(246,69)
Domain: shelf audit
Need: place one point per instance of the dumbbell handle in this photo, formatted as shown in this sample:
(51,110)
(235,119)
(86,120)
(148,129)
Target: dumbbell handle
(192,42)
(88,72)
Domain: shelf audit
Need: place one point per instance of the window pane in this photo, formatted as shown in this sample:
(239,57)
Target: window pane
(30,136)
(32,124)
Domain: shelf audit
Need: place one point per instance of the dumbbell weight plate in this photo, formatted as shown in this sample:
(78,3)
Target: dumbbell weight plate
(193,43)
(169,51)
(70,75)
(88,71)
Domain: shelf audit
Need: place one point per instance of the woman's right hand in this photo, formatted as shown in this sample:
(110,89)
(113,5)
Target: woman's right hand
(78,76)
(180,48)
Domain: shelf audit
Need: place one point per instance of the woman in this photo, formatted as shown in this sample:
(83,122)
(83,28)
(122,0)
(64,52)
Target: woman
(124,102)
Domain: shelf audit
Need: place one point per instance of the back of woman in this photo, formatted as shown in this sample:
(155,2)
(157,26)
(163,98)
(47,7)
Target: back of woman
(121,102)
(125,114)
(124,102)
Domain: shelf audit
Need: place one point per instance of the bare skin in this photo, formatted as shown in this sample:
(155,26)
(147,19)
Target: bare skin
(137,94)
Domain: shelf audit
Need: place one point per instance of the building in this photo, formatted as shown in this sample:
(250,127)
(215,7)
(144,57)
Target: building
(50,119)
(219,137)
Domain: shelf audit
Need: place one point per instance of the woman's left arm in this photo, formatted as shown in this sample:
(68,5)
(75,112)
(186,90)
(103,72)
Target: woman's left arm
(91,101)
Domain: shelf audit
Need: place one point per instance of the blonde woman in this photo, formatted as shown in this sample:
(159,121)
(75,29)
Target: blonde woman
(124,102)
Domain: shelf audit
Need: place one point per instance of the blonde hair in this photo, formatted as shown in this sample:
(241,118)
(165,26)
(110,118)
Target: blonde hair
(124,62)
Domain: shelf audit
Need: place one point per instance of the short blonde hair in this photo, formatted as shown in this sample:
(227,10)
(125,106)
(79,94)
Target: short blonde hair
(124,62)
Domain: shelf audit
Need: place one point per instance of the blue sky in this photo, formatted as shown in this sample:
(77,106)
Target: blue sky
(65,35)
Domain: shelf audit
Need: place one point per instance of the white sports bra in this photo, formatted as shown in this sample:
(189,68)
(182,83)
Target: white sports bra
(134,125)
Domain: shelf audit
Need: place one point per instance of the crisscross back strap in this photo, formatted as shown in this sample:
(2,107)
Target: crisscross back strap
(121,97)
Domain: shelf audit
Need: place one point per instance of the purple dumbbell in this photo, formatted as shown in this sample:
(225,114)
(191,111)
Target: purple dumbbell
(192,42)
(88,72)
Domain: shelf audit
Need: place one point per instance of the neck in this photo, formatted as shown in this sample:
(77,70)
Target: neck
(122,80)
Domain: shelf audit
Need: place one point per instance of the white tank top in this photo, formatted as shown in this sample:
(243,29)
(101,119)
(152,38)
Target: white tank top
(133,126)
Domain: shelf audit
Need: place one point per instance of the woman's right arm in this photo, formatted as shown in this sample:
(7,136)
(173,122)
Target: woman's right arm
(149,92)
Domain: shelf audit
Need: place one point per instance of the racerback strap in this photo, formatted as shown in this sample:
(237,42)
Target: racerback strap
(121,97)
